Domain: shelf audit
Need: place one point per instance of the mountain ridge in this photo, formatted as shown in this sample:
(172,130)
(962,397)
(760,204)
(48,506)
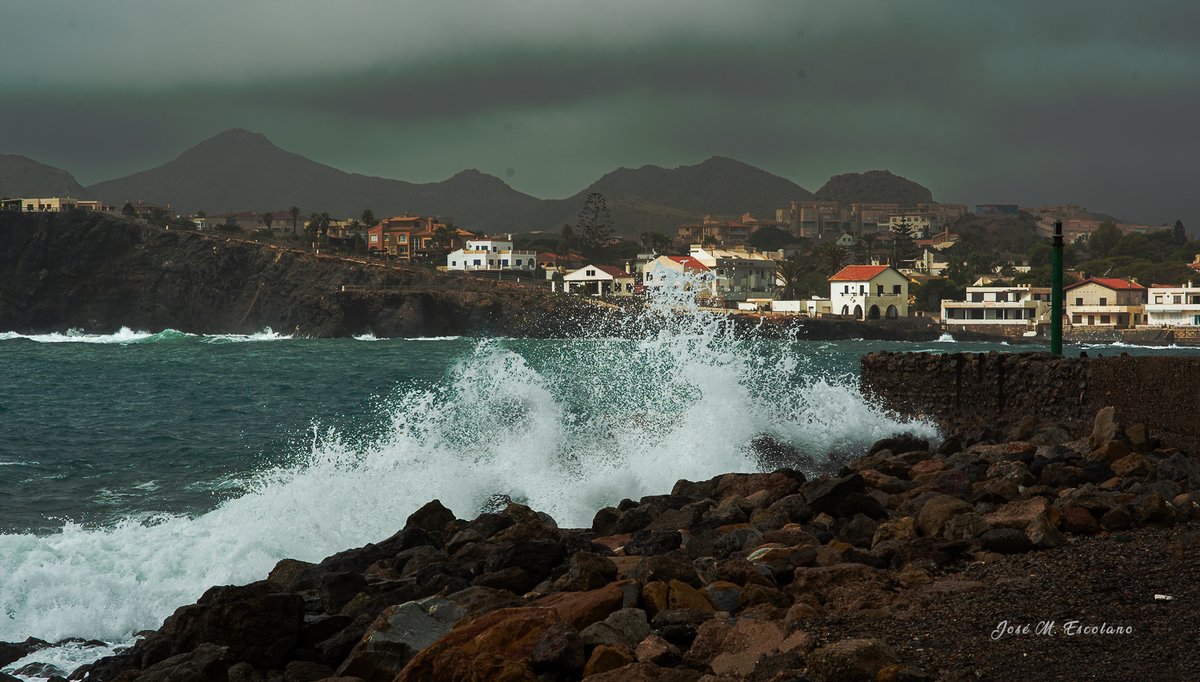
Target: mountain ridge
(238,169)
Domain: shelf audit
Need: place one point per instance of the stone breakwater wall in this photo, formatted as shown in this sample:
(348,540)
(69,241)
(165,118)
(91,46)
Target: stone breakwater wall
(991,395)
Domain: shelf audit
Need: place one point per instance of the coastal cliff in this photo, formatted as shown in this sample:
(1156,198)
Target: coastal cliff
(98,273)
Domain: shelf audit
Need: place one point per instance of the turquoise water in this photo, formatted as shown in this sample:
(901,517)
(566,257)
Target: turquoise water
(138,469)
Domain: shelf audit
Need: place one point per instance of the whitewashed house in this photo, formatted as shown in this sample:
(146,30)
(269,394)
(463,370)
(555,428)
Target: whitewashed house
(1173,306)
(988,305)
(489,253)
(739,274)
(677,271)
(599,280)
(869,292)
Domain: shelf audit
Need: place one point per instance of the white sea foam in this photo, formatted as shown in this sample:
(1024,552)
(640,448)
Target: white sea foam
(945,338)
(127,336)
(267,334)
(567,429)
(366,337)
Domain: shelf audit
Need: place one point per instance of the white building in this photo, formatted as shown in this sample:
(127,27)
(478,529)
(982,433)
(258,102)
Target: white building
(738,274)
(674,270)
(869,292)
(915,225)
(599,280)
(490,254)
(1174,306)
(1012,305)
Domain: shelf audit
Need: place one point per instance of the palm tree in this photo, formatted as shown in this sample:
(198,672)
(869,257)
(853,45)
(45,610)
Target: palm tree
(788,273)
(443,238)
(295,212)
(830,257)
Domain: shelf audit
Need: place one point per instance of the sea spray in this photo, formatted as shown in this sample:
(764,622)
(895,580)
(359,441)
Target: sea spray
(565,426)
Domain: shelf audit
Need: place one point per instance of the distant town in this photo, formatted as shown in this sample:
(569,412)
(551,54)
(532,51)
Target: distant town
(983,269)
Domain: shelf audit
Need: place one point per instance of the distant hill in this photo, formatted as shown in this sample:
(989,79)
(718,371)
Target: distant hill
(657,198)
(875,186)
(21,176)
(241,170)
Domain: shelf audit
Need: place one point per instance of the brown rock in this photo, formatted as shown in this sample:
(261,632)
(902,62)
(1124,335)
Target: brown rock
(581,609)
(1133,466)
(1106,427)
(724,596)
(654,597)
(605,658)
(496,646)
(903,529)
(397,635)
(587,571)
(656,650)
(681,595)
(1043,534)
(1110,451)
(850,660)
(937,510)
(1079,521)
(1018,513)
(744,645)
(561,649)
(966,526)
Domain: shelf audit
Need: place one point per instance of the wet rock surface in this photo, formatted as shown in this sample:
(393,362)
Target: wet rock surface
(965,563)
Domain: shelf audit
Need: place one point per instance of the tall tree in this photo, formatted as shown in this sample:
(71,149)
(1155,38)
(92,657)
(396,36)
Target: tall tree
(1103,239)
(128,210)
(594,225)
(830,257)
(295,212)
(368,217)
(1179,233)
(656,241)
(267,219)
(789,274)
(566,241)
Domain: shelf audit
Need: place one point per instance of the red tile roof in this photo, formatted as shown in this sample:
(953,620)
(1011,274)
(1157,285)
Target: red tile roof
(1109,283)
(689,263)
(858,273)
(617,273)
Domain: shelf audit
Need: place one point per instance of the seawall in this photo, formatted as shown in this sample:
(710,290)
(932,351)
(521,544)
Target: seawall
(989,395)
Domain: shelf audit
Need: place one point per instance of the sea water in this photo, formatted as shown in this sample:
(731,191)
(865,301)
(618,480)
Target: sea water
(137,469)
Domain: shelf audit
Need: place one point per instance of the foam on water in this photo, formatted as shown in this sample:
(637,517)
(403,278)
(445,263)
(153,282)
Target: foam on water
(127,336)
(567,430)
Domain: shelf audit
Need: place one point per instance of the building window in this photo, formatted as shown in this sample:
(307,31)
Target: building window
(504,263)
(374,239)
(896,288)
(476,261)
(1079,301)
(1158,299)
(453,263)
(518,262)
(1103,301)
(1077,319)
(1177,299)
(1104,318)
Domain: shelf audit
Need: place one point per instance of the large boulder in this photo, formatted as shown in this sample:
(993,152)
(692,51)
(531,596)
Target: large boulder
(850,660)
(397,635)
(497,647)
(257,624)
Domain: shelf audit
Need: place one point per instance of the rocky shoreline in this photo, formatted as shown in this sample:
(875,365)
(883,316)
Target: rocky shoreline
(1042,555)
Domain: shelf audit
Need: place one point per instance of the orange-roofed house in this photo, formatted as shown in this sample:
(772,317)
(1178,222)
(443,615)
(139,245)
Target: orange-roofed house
(1105,302)
(869,292)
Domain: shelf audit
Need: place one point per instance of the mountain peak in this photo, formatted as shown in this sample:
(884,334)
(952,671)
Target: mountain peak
(235,137)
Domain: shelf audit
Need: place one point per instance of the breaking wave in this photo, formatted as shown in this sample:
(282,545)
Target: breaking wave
(565,426)
(126,336)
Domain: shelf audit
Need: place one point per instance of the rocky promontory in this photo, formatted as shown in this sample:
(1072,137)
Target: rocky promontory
(1046,554)
(98,273)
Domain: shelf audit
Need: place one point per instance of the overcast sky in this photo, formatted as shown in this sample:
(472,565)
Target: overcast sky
(1084,101)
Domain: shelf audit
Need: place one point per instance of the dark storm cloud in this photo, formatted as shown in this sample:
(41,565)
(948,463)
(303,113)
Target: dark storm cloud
(1091,102)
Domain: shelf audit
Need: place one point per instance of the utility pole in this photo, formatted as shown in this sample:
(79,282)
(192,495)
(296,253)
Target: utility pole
(1056,289)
